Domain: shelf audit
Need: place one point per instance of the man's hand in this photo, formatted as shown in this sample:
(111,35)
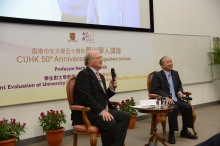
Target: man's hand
(113,85)
(180,95)
(170,101)
(106,116)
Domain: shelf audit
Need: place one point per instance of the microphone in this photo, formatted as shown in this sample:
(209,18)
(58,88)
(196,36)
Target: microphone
(113,74)
(186,98)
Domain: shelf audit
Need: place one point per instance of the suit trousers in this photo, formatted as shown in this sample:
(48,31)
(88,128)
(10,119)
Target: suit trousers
(113,132)
(186,111)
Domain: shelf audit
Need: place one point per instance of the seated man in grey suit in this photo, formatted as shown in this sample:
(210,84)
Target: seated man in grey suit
(168,84)
(91,91)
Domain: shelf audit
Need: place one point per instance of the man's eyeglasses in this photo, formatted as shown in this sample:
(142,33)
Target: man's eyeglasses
(100,57)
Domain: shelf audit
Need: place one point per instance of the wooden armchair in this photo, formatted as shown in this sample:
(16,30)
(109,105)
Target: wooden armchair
(87,128)
(162,117)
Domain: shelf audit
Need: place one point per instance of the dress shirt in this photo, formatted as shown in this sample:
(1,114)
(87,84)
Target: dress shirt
(95,75)
(95,72)
(171,86)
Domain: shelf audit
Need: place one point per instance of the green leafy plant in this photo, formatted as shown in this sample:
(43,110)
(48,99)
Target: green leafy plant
(52,120)
(11,129)
(126,106)
(216,51)
(216,56)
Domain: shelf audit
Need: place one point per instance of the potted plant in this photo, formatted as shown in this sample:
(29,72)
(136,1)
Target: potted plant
(51,124)
(216,52)
(10,131)
(126,106)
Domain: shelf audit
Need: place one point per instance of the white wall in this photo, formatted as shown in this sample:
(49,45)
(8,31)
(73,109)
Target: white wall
(191,17)
(194,17)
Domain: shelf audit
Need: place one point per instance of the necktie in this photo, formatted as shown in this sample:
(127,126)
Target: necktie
(172,91)
(100,81)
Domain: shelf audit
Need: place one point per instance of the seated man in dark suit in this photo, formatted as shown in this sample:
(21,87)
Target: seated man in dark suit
(168,84)
(90,90)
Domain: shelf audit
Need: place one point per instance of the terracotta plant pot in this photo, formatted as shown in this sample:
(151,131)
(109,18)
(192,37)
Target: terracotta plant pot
(55,137)
(132,122)
(10,142)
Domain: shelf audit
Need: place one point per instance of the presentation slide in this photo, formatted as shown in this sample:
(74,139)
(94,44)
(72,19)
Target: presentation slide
(36,61)
(122,13)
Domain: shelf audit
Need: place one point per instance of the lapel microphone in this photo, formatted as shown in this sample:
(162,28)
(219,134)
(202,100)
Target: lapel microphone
(113,74)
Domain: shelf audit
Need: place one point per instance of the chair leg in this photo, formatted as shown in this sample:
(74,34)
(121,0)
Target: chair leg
(151,129)
(194,119)
(75,138)
(93,139)
(163,123)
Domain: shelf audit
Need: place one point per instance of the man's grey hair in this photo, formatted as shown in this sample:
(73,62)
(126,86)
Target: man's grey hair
(161,60)
(87,57)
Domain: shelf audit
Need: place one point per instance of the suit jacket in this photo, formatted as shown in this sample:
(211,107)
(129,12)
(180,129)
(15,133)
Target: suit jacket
(160,83)
(88,92)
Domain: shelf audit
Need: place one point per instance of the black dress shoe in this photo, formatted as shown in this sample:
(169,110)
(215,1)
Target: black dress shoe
(171,139)
(187,134)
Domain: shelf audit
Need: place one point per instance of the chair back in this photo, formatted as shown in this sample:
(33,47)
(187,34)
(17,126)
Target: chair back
(70,90)
(149,79)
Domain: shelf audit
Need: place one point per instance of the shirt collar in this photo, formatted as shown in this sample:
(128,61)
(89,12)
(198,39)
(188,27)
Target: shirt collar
(166,73)
(93,70)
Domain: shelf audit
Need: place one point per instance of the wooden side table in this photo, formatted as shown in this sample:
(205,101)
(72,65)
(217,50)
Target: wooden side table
(154,112)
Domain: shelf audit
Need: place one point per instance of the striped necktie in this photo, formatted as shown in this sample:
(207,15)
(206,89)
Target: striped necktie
(100,81)
(172,91)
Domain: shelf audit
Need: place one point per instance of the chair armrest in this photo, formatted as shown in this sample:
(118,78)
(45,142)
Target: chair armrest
(84,114)
(79,108)
(115,104)
(187,93)
(153,96)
